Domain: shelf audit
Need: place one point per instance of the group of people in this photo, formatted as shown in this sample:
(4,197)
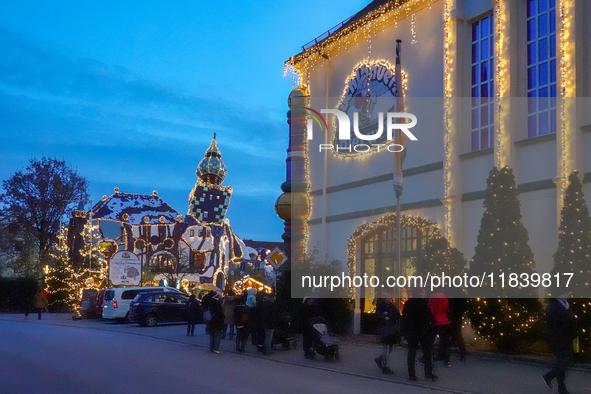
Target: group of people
(421,321)
(251,314)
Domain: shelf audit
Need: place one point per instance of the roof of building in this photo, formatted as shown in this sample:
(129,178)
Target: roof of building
(133,208)
(264,244)
(375,9)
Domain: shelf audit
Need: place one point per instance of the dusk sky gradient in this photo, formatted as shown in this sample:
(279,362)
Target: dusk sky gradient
(130,93)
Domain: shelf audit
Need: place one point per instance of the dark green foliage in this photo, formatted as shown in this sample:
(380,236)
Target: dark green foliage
(16,294)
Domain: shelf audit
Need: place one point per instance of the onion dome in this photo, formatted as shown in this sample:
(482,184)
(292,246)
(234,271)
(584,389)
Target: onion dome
(211,169)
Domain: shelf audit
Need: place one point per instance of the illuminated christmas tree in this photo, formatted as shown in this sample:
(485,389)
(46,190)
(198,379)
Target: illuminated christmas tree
(573,256)
(440,258)
(65,282)
(510,320)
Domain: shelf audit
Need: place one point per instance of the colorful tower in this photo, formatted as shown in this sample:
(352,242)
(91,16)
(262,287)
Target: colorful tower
(293,206)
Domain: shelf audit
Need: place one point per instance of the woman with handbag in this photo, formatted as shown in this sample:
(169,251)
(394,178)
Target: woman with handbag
(388,330)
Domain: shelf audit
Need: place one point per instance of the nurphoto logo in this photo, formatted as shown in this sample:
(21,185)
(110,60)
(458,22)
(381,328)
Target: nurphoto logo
(363,142)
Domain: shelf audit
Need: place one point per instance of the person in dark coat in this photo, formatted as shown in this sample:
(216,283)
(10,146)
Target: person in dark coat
(216,323)
(265,323)
(194,314)
(417,321)
(241,321)
(308,311)
(560,321)
(458,305)
(205,301)
(388,330)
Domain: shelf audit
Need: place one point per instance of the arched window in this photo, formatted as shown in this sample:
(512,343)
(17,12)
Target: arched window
(379,255)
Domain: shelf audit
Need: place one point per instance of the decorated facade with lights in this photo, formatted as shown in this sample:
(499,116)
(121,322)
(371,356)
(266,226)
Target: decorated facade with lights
(491,83)
(199,247)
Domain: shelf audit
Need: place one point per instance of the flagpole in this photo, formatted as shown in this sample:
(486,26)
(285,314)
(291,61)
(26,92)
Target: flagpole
(398,173)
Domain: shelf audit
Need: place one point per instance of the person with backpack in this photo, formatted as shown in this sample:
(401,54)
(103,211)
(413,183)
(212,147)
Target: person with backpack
(388,330)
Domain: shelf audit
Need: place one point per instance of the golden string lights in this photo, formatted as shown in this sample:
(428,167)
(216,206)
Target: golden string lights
(501,54)
(383,222)
(447,124)
(567,85)
(354,32)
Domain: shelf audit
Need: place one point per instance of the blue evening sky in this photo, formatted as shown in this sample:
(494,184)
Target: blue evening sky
(130,93)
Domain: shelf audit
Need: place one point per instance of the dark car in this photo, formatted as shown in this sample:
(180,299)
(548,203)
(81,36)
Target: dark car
(149,309)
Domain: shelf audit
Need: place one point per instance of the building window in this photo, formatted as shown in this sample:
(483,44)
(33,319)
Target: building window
(541,67)
(482,84)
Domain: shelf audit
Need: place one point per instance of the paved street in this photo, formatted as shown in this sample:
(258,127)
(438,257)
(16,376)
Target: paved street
(59,355)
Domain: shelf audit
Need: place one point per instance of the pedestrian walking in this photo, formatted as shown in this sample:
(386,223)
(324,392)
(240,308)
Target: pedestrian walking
(388,330)
(216,322)
(441,326)
(308,311)
(228,305)
(560,321)
(241,318)
(458,305)
(265,323)
(39,303)
(251,303)
(194,314)
(205,301)
(417,321)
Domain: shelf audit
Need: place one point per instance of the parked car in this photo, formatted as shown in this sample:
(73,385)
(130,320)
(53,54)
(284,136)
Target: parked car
(149,309)
(116,302)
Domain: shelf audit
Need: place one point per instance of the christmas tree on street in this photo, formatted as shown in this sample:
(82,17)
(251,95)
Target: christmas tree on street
(508,320)
(573,256)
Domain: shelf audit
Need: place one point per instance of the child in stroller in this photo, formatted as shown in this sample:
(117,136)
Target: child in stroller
(283,333)
(324,343)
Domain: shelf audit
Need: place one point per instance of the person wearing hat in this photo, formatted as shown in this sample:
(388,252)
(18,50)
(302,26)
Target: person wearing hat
(216,322)
(388,330)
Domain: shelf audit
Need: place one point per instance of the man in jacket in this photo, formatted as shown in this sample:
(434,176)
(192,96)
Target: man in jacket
(561,327)
(418,325)
(388,330)
(216,323)
(194,314)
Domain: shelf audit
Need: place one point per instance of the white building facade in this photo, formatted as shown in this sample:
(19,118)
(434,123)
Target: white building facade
(499,83)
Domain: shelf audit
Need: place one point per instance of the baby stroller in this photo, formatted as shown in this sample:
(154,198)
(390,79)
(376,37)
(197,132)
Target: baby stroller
(283,333)
(324,344)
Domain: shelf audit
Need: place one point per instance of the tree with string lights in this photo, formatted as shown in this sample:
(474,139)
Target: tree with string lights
(510,320)
(573,256)
(441,258)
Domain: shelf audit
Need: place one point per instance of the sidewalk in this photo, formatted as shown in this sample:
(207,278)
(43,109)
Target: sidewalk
(481,373)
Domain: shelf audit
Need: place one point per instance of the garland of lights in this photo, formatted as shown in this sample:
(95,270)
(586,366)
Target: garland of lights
(447,125)
(567,85)
(501,49)
(368,25)
(384,221)
(367,64)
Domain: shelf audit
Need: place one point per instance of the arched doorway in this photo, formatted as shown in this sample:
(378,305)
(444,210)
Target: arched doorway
(373,252)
